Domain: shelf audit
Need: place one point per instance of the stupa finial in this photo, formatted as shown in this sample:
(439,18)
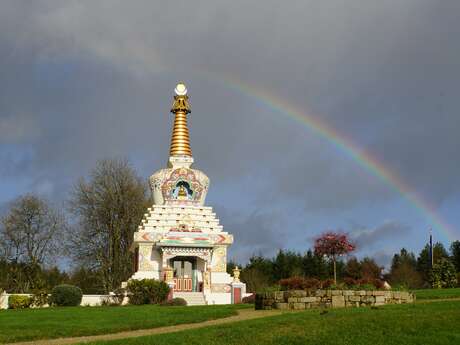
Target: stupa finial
(180,141)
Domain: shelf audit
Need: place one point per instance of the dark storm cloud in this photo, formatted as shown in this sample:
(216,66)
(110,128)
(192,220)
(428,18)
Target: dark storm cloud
(259,233)
(364,237)
(81,81)
(383,259)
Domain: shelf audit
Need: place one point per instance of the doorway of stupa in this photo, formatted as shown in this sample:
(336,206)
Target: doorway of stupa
(187,273)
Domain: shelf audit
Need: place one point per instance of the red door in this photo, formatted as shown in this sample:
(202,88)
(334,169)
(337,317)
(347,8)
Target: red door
(182,284)
(183,272)
(236,295)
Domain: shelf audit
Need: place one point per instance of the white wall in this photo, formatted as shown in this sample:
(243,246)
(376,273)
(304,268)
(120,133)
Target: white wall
(218,298)
(87,300)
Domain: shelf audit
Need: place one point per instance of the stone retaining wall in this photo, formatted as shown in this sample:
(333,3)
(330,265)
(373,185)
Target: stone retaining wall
(305,299)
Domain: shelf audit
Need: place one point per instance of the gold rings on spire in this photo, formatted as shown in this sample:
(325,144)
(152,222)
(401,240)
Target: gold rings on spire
(180,140)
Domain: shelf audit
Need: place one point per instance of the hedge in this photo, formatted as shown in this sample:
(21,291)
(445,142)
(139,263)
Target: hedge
(66,295)
(19,302)
(147,291)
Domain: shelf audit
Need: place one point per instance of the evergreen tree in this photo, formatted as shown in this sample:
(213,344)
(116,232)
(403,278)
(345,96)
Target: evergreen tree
(262,264)
(424,260)
(88,280)
(287,264)
(370,269)
(258,273)
(353,269)
(403,258)
(455,250)
(314,266)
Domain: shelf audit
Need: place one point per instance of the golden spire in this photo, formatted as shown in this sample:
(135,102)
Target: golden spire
(180,141)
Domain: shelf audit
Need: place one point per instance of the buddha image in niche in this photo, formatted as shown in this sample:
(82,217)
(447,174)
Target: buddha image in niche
(182,191)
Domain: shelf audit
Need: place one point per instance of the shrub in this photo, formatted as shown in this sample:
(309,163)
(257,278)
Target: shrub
(370,283)
(299,283)
(367,287)
(147,291)
(66,295)
(293,283)
(119,295)
(270,289)
(19,302)
(443,274)
(251,299)
(259,301)
(399,287)
(175,302)
(40,298)
(114,299)
(327,284)
(311,283)
(350,282)
(378,283)
(338,286)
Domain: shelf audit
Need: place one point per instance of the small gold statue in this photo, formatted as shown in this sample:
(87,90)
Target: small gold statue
(236,274)
(182,194)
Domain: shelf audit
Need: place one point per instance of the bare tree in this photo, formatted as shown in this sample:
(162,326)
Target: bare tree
(31,235)
(109,207)
(30,232)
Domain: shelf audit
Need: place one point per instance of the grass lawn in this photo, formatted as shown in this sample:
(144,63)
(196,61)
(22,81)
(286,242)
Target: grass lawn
(436,323)
(437,293)
(31,324)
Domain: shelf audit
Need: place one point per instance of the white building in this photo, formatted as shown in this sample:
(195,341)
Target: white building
(180,240)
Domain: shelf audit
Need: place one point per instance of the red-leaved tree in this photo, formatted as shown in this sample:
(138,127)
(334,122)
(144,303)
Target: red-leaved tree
(333,245)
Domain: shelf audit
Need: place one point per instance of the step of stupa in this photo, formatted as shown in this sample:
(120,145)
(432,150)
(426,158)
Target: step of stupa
(192,298)
(163,218)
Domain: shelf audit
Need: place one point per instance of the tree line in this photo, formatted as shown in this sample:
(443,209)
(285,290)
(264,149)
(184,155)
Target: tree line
(407,270)
(93,233)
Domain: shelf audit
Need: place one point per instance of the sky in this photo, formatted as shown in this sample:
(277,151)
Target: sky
(82,81)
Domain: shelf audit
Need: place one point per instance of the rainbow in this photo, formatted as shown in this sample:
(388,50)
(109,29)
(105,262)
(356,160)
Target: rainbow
(343,144)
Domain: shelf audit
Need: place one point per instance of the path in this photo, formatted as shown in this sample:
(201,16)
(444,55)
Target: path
(243,314)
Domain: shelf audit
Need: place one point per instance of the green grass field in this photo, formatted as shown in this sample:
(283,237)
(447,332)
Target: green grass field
(31,324)
(425,294)
(421,323)
(436,323)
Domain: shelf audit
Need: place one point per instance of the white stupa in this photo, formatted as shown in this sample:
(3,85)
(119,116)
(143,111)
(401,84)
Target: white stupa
(180,240)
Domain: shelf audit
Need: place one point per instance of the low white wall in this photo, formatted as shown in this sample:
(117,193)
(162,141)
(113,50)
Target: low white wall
(87,300)
(218,298)
(94,300)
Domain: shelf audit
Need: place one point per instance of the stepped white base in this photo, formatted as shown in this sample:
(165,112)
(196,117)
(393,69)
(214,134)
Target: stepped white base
(192,298)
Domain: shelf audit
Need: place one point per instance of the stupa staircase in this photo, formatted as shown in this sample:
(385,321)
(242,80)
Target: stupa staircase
(192,298)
